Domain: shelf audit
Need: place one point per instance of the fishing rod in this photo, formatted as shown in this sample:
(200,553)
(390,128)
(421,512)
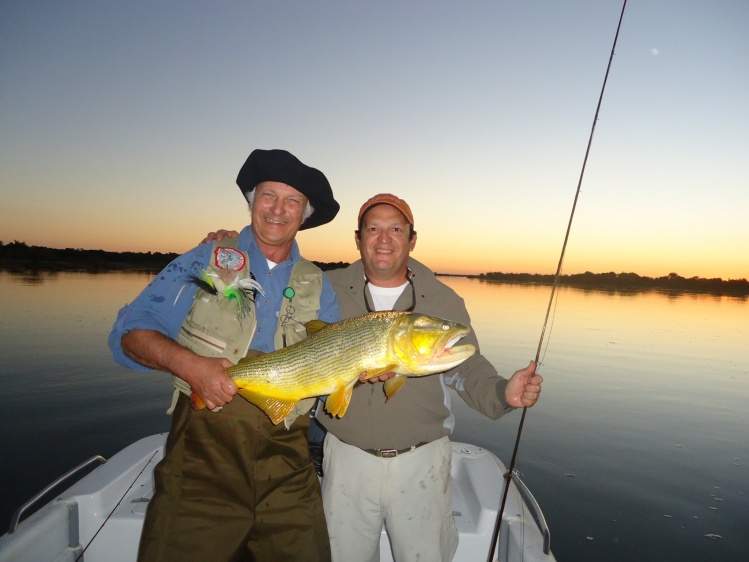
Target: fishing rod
(508,475)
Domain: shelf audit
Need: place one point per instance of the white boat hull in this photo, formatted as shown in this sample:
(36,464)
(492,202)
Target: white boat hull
(103,513)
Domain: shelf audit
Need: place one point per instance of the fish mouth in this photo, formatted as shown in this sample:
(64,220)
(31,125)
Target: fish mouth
(453,341)
(428,345)
(448,348)
(449,353)
(453,352)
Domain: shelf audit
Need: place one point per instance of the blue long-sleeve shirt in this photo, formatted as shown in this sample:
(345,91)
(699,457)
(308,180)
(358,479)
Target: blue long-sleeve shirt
(163,305)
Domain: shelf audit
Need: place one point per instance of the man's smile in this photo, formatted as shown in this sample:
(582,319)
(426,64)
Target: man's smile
(271,220)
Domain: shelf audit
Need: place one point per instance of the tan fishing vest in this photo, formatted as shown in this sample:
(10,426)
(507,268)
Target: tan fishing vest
(216,327)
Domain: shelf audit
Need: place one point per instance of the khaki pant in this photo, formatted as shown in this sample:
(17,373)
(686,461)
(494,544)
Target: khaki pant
(234,487)
(409,495)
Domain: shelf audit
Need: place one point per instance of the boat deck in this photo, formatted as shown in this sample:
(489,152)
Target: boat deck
(105,510)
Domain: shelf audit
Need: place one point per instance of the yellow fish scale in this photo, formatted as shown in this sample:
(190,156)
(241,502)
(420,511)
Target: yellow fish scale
(318,365)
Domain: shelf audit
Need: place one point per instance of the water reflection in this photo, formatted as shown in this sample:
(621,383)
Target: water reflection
(644,402)
(27,277)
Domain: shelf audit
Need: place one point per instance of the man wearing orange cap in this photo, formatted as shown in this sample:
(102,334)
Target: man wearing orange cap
(389,464)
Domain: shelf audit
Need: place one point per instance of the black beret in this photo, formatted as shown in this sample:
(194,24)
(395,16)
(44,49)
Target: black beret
(282,166)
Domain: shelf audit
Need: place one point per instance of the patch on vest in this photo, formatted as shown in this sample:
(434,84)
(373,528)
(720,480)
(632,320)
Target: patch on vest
(229,259)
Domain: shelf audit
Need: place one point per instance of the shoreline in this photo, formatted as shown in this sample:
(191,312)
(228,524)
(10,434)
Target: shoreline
(19,258)
(585,282)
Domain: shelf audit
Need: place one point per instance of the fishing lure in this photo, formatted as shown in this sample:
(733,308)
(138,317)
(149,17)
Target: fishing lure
(228,285)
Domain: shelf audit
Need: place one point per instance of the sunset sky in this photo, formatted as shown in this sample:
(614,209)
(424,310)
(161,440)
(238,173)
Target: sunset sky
(123,125)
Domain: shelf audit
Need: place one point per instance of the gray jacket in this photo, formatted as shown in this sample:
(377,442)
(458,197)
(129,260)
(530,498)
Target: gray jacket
(420,411)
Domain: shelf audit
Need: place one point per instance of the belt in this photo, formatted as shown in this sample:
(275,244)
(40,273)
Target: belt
(390,453)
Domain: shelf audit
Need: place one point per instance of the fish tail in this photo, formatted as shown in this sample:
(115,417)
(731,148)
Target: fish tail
(197,402)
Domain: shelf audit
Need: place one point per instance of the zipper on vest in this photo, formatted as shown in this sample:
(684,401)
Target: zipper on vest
(210,342)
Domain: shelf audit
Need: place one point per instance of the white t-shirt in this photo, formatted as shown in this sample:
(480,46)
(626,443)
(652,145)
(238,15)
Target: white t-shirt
(384,298)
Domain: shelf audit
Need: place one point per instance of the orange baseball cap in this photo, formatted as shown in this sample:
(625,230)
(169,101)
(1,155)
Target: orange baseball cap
(387,199)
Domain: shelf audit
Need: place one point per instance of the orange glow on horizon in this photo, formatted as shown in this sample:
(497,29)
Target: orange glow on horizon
(334,243)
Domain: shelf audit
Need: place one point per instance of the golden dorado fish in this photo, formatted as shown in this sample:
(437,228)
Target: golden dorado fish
(331,359)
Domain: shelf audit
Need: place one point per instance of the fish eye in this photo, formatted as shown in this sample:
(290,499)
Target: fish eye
(445,326)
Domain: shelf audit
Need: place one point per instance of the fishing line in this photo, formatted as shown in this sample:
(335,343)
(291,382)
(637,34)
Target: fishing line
(508,475)
(148,462)
(548,339)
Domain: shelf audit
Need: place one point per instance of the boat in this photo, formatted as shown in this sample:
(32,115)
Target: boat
(99,518)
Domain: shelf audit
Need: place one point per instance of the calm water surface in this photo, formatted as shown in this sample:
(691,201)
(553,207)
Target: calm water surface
(638,448)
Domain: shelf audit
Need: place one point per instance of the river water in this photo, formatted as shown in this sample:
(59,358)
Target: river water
(637,450)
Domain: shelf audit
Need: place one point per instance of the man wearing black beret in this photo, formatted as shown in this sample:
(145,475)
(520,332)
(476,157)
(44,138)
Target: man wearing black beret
(233,486)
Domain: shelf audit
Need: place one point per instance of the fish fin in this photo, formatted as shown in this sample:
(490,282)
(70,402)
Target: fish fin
(371,373)
(338,401)
(197,402)
(274,408)
(314,326)
(393,385)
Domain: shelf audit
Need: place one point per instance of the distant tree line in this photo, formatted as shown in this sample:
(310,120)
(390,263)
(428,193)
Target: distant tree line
(18,256)
(627,282)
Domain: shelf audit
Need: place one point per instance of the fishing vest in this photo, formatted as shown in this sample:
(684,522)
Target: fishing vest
(217,326)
